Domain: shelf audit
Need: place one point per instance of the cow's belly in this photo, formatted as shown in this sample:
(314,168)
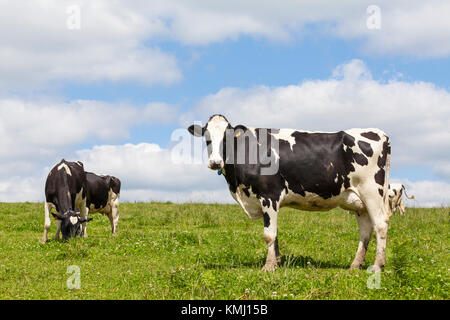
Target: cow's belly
(107,209)
(250,204)
(348,200)
(103,210)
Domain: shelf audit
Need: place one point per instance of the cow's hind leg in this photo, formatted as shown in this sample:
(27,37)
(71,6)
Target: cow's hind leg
(402,207)
(114,215)
(270,216)
(365,232)
(47,221)
(84,212)
(380,222)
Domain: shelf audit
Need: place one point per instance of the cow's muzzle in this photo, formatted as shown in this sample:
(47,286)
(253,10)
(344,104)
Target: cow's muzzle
(215,164)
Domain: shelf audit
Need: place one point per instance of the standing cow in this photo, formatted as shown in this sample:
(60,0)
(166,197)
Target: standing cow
(65,191)
(316,172)
(103,194)
(395,197)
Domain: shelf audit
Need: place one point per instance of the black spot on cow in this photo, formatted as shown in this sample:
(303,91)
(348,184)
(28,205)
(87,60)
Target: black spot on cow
(266,203)
(381,192)
(266,220)
(246,191)
(380,176)
(365,148)
(360,159)
(371,136)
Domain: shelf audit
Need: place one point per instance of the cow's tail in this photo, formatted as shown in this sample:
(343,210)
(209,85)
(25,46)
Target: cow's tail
(404,190)
(386,180)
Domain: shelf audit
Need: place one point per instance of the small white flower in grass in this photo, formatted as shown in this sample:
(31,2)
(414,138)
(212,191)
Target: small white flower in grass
(420,259)
(274,293)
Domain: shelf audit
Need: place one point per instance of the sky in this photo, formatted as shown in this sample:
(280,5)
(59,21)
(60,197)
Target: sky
(115,84)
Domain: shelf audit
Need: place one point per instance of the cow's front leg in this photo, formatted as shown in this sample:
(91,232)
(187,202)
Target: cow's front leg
(84,212)
(58,229)
(270,216)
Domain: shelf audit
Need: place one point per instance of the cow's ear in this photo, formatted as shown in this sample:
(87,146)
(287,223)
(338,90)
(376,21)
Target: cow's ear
(196,130)
(57,216)
(83,220)
(239,130)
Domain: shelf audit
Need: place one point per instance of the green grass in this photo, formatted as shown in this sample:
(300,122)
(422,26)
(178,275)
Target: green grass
(199,251)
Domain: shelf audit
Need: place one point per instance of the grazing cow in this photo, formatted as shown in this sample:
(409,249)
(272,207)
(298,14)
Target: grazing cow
(103,196)
(65,191)
(395,197)
(317,171)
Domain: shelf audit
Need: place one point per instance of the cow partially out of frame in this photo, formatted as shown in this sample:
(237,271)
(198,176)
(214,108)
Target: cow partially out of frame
(316,171)
(396,198)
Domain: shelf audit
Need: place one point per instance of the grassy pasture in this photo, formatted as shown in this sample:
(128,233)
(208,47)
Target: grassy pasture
(200,251)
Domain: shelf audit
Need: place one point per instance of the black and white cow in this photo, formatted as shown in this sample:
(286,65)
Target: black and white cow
(103,194)
(65,191)
(317,171)
(396,197)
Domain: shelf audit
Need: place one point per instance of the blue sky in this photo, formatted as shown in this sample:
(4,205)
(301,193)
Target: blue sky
(308,65)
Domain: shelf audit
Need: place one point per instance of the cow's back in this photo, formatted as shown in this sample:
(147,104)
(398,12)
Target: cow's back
(66,182)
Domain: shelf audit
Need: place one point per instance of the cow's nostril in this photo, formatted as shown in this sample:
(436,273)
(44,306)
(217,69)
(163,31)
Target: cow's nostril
(216,165)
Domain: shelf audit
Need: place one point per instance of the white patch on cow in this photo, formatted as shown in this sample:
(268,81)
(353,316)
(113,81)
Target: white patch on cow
(80,202)
(251,205)
(73,220)
(286,135)
(216,128)
(63,165)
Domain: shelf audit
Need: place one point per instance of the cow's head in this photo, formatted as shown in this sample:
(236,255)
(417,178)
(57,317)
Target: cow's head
(216,132)
(71,223)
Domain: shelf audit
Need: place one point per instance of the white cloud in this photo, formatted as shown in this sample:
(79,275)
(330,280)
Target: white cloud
(413,28)
(150,173)
(19,189)
(34,134)
(118,40)
(416,115)
(147,166)
(37,46)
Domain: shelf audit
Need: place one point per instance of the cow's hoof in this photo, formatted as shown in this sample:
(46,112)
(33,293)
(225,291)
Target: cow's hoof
(375,268)
(356,265)
(43,241)
(279,259)
(269,267)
